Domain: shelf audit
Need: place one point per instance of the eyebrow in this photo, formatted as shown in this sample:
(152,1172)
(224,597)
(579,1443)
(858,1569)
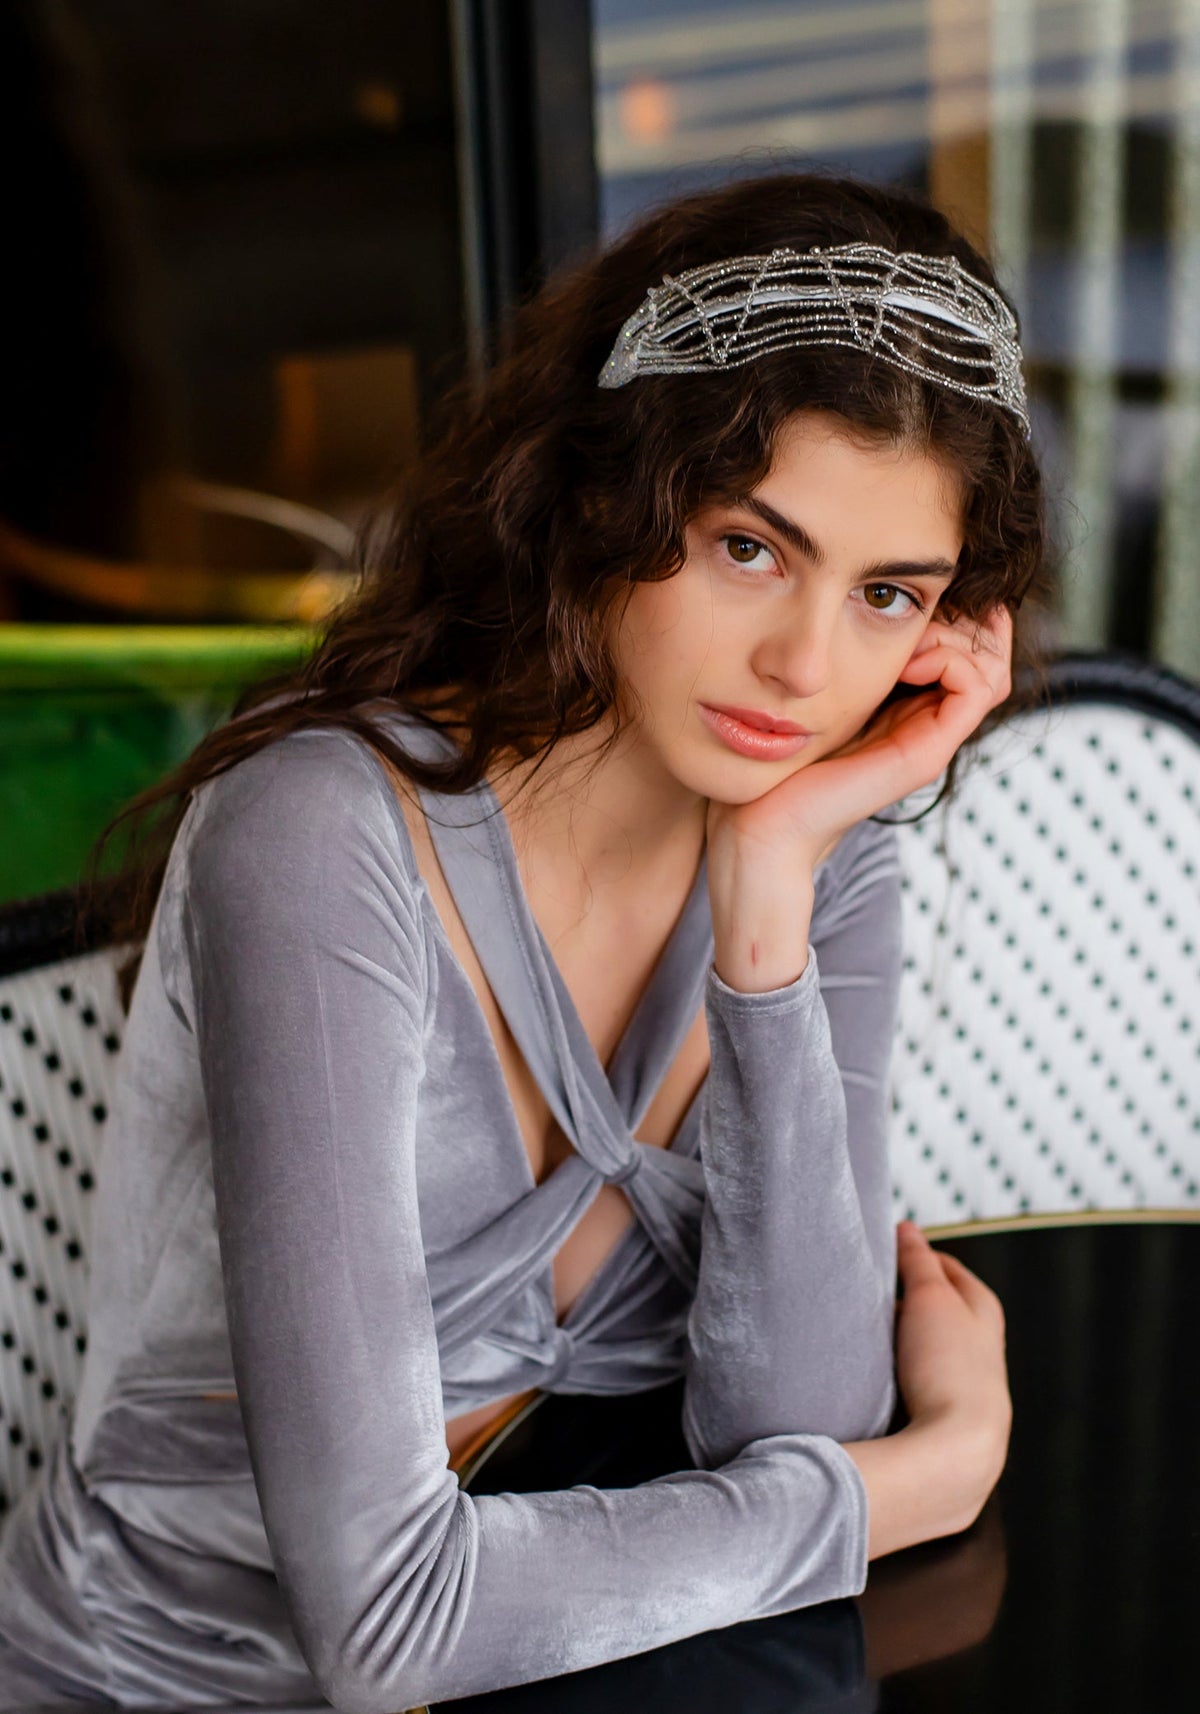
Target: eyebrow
(798,537)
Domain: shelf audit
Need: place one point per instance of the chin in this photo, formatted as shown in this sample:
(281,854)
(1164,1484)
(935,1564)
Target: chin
(729,779)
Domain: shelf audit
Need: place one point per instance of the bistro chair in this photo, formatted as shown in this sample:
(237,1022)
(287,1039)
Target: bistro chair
(1047,1047)
(60,1032)
(1047,1060)
(181,582)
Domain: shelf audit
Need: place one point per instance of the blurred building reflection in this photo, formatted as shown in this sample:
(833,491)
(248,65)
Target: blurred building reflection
(252,275)
(254,243)
(1063,134)
(238,284)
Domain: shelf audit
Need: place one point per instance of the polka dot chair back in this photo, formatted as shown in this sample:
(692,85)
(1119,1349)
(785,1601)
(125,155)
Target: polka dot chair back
(60,1028)
(1048,1050)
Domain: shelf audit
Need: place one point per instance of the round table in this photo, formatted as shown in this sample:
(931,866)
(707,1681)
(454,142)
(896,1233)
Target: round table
(1078,1586)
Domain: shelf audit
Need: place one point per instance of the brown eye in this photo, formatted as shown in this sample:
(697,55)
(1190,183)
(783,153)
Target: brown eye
(883,598)
(743,549)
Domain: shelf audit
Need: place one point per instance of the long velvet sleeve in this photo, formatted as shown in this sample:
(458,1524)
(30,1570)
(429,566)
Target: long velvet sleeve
(301,968)
(791,1327)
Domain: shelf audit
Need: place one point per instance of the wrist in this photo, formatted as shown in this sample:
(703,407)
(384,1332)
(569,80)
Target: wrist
(761,915)
(733,851)
(970,1446)
(930,1479)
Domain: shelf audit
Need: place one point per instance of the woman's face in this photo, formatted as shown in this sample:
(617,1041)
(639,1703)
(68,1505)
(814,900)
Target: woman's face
(801,602)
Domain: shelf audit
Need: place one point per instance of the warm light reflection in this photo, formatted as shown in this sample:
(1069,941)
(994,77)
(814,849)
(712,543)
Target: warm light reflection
(647,110)
(378,104)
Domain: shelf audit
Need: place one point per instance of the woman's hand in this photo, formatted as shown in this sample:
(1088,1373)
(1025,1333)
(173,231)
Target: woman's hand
(933,1477)
(759,852)
(950,1345)
(967,667)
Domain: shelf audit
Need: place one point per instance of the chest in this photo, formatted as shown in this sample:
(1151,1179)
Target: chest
(605,961)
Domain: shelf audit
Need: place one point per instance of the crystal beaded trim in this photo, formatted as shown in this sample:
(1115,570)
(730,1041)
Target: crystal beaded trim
(926,314)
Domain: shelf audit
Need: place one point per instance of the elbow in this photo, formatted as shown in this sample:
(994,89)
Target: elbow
(399,1647)
(349,1691)
(349,1695)
(410,1672)
(415,1668)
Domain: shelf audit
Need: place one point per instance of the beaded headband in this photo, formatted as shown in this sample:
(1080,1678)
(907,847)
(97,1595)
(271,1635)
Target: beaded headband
(926,314)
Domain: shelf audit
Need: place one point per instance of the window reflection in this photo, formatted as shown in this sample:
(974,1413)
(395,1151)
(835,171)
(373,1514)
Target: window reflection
(234,287)
(1066,136)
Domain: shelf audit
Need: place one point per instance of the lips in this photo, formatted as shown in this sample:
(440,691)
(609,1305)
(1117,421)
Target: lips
(761,722)
(738,735)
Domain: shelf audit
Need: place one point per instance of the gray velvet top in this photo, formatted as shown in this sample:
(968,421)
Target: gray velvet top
(314,1189)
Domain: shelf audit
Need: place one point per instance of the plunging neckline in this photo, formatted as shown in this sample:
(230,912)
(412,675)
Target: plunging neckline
(597,1108)
(509,869)
(527,931)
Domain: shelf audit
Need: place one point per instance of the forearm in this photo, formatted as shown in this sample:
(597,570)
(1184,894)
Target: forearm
(526,1586)
(791,1326)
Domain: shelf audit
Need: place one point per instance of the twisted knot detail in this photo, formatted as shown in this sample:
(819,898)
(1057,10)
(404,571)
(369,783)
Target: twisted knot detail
(630,1170)
(563,1348)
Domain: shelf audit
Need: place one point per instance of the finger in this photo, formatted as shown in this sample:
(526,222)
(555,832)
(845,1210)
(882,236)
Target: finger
(979,1296)
(987,643)
(966,694)
(999,626)
(994,630)
(949,655)
(990,639)
(992,633)
(885,722)
(983,678)
(919,1264)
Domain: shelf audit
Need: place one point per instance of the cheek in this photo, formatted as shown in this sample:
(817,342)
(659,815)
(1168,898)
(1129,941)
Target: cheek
(670,627)
(883,655)
(872,672)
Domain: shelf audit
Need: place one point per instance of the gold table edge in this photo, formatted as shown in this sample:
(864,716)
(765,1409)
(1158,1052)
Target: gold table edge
(1067,1217)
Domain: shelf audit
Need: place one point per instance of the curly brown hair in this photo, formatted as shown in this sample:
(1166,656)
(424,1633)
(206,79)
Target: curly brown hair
(488,575)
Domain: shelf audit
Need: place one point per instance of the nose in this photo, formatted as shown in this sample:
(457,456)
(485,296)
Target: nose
(797,653)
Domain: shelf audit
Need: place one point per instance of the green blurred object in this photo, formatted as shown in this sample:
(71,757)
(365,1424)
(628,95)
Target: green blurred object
(91,714)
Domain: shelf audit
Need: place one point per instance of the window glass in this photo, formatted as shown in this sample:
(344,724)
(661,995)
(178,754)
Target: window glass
(235,286)
(1065,136)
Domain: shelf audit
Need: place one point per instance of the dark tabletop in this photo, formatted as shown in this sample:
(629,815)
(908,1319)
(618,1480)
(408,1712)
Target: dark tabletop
(1078,1587)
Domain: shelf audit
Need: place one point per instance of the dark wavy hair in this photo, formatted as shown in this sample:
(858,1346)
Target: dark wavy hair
(488,575)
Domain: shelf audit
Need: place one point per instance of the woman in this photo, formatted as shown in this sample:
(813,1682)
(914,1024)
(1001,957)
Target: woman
(563,835)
